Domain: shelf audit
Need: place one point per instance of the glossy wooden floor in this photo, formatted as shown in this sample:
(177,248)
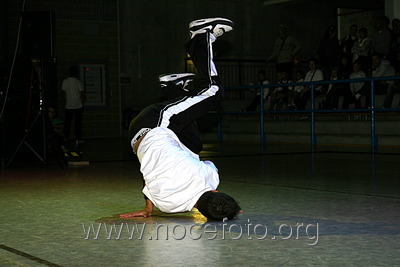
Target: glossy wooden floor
(300,209)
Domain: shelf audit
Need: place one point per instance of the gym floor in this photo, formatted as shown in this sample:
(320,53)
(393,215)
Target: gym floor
(325,208)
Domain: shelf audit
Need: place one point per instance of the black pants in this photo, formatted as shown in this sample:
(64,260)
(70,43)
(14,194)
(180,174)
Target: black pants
(332,97)
(254,103)
(303,98)
(179,114)
(70,114)
(189,135)
(379,89)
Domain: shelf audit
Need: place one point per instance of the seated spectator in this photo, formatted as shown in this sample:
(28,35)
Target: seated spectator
(58,124)
(356,89)
(314,74)
(334,91)
(396,87)
(345,67)
(279,97)
(58,127)
(295,93)
(362,49)
(396,62)
(262,80)
(382,68)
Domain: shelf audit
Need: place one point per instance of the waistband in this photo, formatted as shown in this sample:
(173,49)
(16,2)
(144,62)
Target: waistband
(138,135)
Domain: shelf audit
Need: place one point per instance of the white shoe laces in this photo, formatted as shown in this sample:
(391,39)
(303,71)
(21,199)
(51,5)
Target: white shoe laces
(218,32)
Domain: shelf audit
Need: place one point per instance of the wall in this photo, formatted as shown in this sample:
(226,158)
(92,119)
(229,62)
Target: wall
(152,41)
(392,9)
(85,31)
(141,39)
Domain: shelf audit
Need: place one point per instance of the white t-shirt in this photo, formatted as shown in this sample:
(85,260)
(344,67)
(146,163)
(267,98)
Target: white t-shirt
(299,88)
(355,87)
(72,87)
(266,89)
(312,76)
(175,177)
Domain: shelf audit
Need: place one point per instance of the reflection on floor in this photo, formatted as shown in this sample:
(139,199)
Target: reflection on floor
(325,208)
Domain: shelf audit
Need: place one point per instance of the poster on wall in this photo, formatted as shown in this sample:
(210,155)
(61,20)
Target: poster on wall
(93,80)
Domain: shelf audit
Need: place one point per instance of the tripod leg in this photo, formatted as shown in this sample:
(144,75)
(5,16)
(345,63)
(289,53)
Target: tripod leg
(23,141)
(34,152)
(45,118)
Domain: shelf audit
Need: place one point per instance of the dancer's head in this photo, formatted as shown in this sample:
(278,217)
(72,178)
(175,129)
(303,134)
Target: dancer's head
(217,206)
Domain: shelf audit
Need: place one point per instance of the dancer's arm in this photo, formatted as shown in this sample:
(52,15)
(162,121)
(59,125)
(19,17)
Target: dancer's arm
(146,212)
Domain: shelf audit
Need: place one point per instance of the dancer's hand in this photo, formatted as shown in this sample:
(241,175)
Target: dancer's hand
(146,212)
(140,213)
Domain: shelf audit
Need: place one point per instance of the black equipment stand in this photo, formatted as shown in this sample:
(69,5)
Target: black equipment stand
(49,136)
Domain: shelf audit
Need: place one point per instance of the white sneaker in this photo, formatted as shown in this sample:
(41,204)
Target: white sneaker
(178,79)
(217,26)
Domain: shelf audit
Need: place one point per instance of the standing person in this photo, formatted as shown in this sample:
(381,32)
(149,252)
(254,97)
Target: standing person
(175,180)
(73,94)
(347,42)
(328,51)
(395,29)
(382,37)
(362,50)
(395,45)
(285,49)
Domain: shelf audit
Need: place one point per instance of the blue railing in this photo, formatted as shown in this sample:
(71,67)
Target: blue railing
(312,111)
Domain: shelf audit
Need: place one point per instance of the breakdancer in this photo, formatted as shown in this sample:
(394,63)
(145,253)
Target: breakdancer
(175,179)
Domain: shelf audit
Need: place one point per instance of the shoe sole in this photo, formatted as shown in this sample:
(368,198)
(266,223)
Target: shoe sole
(174,77)
(211,24)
